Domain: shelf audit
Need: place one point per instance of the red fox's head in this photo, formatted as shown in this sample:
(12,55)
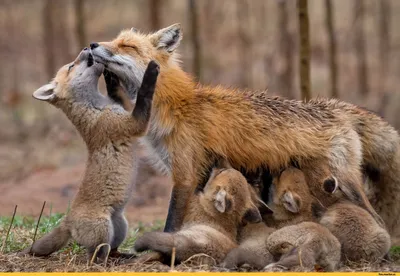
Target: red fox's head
(227,192)
(73,80)
(128,55)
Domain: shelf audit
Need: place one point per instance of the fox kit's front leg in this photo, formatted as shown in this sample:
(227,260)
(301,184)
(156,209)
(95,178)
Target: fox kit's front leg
(137,122)
(142,111)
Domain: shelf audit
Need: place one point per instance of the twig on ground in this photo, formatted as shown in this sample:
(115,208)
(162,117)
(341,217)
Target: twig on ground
(37,226)
(173,258)
(300,261)
(97,250)
(9,229)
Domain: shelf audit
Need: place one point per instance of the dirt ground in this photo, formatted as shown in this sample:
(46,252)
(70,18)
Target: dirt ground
(58,184)
(78,263)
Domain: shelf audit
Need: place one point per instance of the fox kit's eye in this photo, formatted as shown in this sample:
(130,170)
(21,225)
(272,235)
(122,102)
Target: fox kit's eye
(70,67)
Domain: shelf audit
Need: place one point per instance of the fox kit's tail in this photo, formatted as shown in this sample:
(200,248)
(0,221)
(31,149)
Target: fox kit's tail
(49,243)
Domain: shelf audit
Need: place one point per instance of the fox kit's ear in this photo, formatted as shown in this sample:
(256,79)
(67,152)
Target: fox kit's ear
(330,185)
(291,202)
(45,93)
(168,38)
(252,215)
(221,201)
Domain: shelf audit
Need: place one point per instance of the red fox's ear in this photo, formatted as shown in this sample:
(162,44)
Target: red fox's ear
(167,39)
(45,93)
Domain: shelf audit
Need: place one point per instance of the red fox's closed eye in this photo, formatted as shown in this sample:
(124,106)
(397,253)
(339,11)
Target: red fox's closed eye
(130,46)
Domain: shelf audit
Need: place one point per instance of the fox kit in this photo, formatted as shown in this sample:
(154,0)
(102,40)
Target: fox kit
(212,220)
(194,122)
(252,249)
(110,133)
(359,234)
(361,237)
(290,199)
(305,244)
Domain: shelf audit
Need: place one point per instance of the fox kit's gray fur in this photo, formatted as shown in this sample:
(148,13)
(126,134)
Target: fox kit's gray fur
(212,220)
(360,235)
(110,132)
(306,244)
(252,249)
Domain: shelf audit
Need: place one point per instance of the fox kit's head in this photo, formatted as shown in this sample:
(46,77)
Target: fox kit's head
(128,55)
(291,197)
(72,81)
(227,193)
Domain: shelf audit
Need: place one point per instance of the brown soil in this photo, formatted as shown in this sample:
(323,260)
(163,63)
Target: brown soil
(57,186)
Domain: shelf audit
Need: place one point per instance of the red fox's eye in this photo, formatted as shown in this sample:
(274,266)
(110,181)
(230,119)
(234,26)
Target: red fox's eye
(70,67)
(130,46)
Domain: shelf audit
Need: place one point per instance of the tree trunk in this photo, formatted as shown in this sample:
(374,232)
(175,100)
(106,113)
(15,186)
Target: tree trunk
(286,48)
(359,47)
(305,88)
(245,51)
(48,38)
(332,49)
(155,14)
(193,11)
(80,23)
(384,44)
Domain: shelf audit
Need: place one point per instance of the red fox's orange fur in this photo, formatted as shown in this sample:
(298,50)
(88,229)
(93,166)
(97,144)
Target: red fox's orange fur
(193,124)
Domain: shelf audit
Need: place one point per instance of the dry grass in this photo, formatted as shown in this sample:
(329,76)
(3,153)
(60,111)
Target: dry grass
(73,257)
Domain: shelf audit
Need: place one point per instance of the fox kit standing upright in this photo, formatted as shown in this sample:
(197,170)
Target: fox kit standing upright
(212,219)
(110,133)
(191,125)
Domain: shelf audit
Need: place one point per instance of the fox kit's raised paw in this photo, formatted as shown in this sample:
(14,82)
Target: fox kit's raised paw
(149,80)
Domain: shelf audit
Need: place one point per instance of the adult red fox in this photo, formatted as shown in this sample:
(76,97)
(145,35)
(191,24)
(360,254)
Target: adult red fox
(194,124)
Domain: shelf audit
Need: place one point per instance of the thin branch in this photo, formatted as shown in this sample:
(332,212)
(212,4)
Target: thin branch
(37,226)
(173,258)
(9,229)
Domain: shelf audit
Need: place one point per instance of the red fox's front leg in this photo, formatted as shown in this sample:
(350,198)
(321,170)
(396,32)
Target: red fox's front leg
(184,180)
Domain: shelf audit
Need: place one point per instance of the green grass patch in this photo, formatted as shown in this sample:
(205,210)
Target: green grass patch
(395,253)
(23,229)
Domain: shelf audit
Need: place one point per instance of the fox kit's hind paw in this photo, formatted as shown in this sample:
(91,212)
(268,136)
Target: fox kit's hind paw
(25,252)
(116,254)
(157,241)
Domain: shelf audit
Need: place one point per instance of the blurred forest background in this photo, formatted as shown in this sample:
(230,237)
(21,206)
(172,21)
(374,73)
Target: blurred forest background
(354,44)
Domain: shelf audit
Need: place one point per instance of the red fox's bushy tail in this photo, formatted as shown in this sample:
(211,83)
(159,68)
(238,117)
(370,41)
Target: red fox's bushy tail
(381,164)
